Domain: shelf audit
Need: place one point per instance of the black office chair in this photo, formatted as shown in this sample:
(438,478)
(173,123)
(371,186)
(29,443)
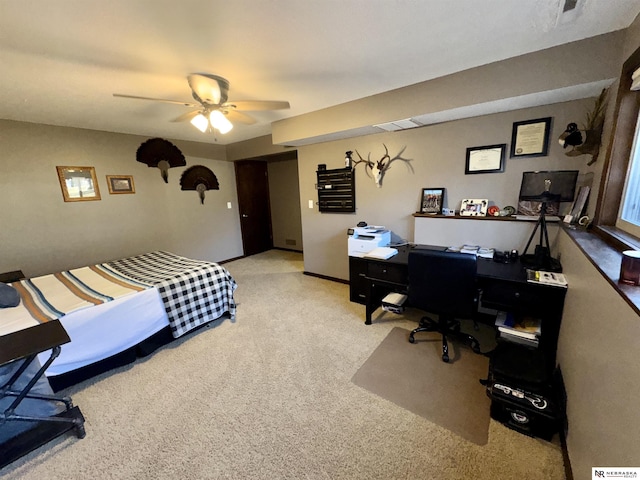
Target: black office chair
(444,283)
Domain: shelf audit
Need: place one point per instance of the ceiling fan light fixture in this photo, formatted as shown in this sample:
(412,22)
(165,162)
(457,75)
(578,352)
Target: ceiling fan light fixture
(200,122)
(220,122)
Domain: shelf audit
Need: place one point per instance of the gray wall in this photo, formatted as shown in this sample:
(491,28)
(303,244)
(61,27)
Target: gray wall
(40,233)
(439,156)
(284,196)
(598,354)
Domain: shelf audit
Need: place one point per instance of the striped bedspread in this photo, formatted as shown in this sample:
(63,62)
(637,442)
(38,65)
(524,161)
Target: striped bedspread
(53,296)
(193,291)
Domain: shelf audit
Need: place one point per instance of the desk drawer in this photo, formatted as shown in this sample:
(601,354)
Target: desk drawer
(388,272)
(511,296)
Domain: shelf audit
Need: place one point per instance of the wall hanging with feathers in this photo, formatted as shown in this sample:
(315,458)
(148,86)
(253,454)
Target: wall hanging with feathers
(160,153)
(586,141)
(200,179)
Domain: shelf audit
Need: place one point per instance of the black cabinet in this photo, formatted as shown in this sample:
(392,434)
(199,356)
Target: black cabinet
(336,190)
(358,284)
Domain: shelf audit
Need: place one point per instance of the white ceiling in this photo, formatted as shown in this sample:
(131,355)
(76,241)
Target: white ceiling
(61,61)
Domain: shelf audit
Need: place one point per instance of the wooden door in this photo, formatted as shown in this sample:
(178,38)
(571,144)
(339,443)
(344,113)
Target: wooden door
(252,184)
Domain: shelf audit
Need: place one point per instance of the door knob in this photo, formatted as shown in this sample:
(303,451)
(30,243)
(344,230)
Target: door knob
(245,216)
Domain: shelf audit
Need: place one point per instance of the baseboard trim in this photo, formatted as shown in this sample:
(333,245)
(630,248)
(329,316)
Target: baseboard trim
(568,472)
(325,277)
(287,249)
(230,259)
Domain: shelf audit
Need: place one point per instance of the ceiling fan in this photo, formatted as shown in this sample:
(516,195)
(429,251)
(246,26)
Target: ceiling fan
(214,110)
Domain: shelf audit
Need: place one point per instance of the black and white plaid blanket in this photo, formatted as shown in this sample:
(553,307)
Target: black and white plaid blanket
(193,291)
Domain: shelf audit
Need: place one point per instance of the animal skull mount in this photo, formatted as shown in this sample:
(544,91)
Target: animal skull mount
(377,169)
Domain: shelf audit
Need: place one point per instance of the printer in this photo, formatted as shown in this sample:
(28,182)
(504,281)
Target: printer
(364,239)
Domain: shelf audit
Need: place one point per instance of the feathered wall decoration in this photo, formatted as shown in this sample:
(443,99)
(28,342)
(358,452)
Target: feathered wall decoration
(161,153)
(586,141)
(199,178)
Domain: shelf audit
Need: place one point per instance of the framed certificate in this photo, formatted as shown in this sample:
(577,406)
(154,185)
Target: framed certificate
(487,159)
(531,138)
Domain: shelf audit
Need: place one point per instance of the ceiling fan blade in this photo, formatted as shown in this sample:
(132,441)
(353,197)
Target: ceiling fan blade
(234,116)
(209,89)
(177,102)
(257,105)
(186,117)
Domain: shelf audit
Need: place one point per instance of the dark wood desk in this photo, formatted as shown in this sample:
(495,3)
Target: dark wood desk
(503,287)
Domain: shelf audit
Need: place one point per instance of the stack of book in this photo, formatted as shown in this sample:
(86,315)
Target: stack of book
(523,330)
(546,278)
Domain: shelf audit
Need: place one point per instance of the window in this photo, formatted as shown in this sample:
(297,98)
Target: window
(629,216)
(617,217)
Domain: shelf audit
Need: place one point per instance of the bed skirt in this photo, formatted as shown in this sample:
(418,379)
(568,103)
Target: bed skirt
(130,355)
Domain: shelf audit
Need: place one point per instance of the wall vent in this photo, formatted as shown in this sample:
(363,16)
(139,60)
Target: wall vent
(399,125)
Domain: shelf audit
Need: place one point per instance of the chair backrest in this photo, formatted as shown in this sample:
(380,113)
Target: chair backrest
(442,282)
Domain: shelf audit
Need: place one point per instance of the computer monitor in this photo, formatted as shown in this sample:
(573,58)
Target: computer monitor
(563,185)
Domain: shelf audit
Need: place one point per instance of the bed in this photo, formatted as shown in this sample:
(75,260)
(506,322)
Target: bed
(117,311)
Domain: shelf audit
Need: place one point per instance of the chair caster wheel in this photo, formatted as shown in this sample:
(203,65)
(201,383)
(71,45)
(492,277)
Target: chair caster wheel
(445,358)
(411,339)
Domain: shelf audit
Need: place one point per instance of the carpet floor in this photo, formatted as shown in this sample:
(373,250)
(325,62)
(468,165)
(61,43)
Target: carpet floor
(269,396)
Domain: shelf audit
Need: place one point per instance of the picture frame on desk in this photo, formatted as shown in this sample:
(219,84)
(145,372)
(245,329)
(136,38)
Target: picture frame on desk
(474,207)
(432,200)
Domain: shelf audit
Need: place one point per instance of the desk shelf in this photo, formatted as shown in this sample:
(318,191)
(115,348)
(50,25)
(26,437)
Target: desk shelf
(509,218)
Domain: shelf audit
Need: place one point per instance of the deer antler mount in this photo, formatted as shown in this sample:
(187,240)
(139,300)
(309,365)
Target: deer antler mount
(377,168)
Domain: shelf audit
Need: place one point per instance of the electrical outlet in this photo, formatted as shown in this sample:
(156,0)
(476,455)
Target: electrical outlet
(310,203)
(229,205)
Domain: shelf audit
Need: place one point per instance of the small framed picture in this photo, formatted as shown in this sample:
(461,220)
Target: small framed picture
(78,184)
(432,201)
(473,207)
(487,159)
(531,138)
(120,184)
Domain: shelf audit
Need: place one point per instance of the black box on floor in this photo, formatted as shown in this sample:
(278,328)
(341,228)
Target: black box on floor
(525,420)
(521,391)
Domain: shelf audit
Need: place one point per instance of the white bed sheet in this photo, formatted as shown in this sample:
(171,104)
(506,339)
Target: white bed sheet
(103,330)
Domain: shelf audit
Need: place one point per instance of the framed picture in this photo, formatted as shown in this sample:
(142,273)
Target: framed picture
(432,201)
(531,138)
(120,184)
(473,207)
(78,184)
(487,159)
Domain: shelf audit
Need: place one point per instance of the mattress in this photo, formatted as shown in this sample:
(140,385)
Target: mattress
(111,307)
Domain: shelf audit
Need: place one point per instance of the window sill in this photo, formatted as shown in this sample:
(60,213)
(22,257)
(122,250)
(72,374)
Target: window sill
(607,260)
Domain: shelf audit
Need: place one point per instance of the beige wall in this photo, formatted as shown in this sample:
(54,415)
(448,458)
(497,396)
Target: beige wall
(40,233)
(598,354)
(284,196)
(439,156)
